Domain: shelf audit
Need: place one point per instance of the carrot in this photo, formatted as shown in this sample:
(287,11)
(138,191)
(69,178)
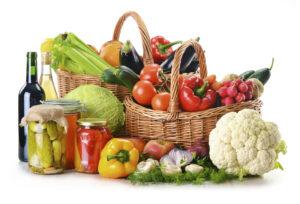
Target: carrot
(210,79)
(216,85)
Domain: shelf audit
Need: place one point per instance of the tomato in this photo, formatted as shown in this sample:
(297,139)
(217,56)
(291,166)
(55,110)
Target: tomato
(151,73)
(143,92)
(161,101)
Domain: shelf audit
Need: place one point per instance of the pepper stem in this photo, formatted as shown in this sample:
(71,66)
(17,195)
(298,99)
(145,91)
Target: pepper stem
(272,63)
(201,91)
(121,156)
(163,47)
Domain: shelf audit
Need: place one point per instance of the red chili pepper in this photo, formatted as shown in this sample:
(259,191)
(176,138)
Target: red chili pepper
(161,48)
(194,95)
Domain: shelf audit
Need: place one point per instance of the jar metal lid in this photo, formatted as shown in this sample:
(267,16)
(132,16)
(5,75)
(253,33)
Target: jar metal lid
(69,106)
(92,122)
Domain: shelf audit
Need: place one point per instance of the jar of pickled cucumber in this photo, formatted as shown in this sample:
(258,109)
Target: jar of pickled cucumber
(72,112)
(47,129)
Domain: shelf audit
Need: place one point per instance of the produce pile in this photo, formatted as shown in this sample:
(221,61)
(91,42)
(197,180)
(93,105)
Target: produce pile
(242,144)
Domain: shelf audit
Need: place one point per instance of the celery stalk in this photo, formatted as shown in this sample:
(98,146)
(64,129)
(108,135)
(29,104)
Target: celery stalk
(73,55)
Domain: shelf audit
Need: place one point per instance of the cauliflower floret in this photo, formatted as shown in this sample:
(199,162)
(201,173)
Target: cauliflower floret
(242,143)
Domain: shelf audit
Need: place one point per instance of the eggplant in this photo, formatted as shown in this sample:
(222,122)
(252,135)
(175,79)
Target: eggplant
(193,66)
(187,58)
(130,58)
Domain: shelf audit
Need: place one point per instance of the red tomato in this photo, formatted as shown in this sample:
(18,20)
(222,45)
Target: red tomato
(143,92)
(161,101)
(151,73)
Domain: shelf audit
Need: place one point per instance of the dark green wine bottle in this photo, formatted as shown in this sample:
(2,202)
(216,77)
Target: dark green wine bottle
(30,94)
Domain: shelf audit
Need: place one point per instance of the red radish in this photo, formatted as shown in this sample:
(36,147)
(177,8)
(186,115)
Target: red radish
(223,92)
(232,91)
(248,96)
(238,81)
(226,83)
(249,83)
(243,87)
(240,97)
(227,101)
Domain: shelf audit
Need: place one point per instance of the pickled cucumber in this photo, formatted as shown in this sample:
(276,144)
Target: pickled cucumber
(57,152)
(37,127)
(31,143)
(52,130)
(44,149)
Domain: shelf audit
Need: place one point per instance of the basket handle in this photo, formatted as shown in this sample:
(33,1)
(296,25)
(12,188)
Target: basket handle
(174,103)
(147,54)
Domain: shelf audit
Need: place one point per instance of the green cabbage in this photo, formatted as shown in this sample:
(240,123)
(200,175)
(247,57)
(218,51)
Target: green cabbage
(100,103)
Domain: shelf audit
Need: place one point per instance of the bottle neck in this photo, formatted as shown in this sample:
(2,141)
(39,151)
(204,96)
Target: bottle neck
(46,61)
(31,70)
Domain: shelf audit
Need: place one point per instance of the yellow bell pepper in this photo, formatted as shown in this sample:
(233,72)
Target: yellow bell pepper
(118,159)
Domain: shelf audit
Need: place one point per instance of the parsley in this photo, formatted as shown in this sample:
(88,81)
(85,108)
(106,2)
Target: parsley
(210,173)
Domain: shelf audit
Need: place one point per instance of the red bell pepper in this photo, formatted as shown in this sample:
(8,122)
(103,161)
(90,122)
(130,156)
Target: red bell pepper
(195,95)
(161,48)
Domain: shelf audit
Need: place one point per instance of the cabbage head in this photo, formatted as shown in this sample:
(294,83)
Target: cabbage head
(100,103)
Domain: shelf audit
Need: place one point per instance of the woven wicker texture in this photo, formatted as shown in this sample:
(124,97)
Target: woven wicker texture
(68,81)
(183,128)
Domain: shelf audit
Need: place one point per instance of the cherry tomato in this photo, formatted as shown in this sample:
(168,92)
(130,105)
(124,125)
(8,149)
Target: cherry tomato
(143,92)
(161,101)
(151,73)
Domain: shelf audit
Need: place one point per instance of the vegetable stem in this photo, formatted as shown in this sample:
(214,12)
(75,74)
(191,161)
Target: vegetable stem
(121,156)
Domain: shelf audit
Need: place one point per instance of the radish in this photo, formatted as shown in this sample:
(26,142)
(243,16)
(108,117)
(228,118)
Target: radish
(227,101)
(232,91)
(248,95)
(226,83)
(222,92)
(240,97)
(243,87)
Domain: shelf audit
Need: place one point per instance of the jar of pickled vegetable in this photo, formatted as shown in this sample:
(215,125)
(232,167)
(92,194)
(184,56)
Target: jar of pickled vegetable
(72,112)
(47,129)
(92,135)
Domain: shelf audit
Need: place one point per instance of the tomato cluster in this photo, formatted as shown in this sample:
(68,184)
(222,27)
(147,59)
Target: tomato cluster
(144,91)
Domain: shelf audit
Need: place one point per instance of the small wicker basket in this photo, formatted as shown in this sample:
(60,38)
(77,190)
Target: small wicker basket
(183,128)
(68,81)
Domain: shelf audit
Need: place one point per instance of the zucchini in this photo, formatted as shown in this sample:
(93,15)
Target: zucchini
(245,75)
(263,75)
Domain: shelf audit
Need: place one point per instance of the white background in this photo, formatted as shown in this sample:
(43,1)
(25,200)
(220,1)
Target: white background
(237,35)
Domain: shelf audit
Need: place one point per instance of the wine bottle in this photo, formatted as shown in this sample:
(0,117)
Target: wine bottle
(46,80)
(30,94)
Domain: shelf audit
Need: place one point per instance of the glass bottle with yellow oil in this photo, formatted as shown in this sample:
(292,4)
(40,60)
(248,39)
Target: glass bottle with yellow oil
(46,80)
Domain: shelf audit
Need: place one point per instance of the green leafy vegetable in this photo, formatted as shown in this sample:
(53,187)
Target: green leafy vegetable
(210,173)
(72,54)
(100,103)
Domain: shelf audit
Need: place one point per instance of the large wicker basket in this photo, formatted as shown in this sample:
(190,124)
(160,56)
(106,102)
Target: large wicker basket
(68,81)
(183,128)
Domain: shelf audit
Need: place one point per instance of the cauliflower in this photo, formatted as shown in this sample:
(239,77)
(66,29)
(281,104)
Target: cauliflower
(243,144)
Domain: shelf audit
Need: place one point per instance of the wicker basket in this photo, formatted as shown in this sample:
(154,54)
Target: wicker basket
(183,128)
(68,81)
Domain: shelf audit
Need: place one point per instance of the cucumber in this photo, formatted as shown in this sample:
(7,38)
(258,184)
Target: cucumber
(127,76)
(109,77)
(245,75)
(263,75)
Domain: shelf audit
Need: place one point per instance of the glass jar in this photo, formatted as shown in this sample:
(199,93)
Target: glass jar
(72,112)
(47,129)
(92,135)
(46,151)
